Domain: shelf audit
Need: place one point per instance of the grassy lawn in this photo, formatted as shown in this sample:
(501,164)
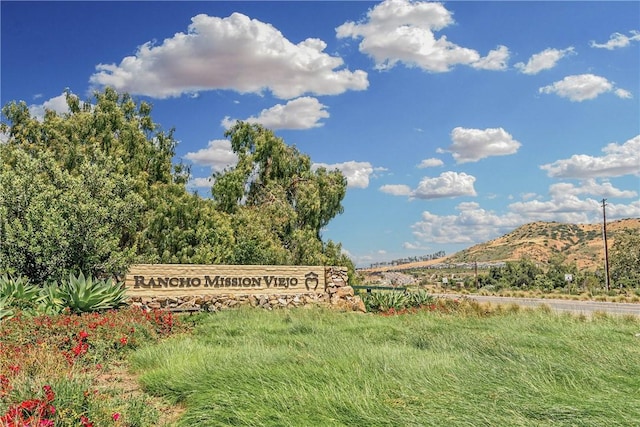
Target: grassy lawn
(312,367)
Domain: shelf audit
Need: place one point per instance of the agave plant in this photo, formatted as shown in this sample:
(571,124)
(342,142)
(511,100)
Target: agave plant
(5,311)
(383,301)
(82,294)
(52,300)
(19,293)
(420,298)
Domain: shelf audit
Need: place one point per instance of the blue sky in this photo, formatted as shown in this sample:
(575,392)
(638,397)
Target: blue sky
(454,122)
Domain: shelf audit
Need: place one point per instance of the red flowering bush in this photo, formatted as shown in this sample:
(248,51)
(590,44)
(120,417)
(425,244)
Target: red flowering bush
(65,353)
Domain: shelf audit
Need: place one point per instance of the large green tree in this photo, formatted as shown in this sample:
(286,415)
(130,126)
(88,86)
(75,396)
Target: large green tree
(625,259)
(279,203)
(95,189)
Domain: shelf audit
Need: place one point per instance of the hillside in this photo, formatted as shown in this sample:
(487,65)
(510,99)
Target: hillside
(541,241)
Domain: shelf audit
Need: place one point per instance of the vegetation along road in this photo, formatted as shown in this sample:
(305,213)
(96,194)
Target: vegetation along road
(586,307)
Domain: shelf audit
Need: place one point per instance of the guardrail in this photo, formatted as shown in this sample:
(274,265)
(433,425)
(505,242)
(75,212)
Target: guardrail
(380,288)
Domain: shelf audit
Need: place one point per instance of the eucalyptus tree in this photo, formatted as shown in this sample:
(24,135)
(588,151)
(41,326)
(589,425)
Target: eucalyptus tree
(274,185)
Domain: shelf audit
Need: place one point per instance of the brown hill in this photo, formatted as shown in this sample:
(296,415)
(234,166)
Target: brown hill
(581,244)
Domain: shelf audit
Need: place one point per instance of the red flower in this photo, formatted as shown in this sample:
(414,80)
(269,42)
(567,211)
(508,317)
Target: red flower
(14,368)
(123,340)
(49,394)
(82,335)
(85,421)
(115,416)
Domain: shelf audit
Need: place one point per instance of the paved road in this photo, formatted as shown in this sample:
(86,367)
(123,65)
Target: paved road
(586,307)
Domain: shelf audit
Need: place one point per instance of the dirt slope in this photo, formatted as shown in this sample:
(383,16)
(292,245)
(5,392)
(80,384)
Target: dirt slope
(581,244)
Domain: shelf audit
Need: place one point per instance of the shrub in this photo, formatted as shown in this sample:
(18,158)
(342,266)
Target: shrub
(420,298)
(18,292)
(384,301)
(82,294)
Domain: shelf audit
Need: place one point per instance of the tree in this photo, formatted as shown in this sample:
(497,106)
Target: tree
(275,185)
(95,189)
(625,259)
(76,188)
(53,222)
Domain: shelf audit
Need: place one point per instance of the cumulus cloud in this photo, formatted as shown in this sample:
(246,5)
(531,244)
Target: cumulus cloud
(474,224)
(582,87)
(300,113)
(618,40)
(471,225)
(544,60)
(618,160)
(624,94)
(495,60)
(430,163)
(471,145)
(57,104)
(591,187)
(218,155)
(235,53)
(357,173)
(200,183)
(448,184)
(403,31)
(396,189)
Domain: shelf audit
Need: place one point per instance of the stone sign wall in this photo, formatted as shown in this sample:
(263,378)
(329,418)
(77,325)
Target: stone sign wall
(214,287)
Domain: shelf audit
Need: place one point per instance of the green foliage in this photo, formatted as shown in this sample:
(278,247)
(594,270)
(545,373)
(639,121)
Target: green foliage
(278,203)
(84,295)
(52,221)
(385,300)
(5,310)
(18,292)
(185,228)
(95,190)
(420,298)
(625,259)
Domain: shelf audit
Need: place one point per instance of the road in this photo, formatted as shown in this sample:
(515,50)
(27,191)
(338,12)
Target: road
(586,307)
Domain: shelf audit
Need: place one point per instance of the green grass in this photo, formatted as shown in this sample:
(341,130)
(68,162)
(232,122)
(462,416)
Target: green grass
(316,367)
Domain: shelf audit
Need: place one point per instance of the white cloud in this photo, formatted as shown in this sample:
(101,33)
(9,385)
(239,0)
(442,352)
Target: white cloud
(583,87)
(528,196)
(618,160)
(430,163)
(218,155)
(403,31)
(448,184)
(300,113)
(592,187)
(472,225)
(495,60)
(357,173)
(415,246)
(471,145)
(624,94)
(57,104)
(544,60)
(396,189)
(235,53)
(617,40)
(200,183)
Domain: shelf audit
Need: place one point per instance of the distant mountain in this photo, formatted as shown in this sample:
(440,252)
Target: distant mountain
(581,244)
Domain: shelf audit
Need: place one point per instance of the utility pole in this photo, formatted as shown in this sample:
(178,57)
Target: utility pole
(606,249)
(476,273)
